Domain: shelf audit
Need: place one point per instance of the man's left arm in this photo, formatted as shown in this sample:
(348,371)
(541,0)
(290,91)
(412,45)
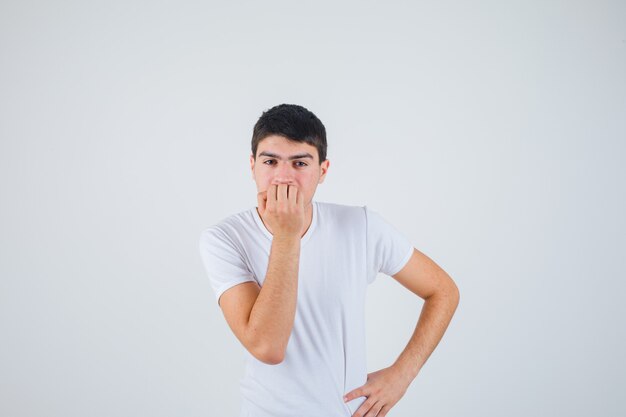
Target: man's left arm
(422,276)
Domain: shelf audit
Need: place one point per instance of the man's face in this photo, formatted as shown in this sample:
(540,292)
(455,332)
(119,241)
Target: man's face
(274,166)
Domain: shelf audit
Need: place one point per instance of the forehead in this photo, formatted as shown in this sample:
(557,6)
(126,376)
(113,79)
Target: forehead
(284,147)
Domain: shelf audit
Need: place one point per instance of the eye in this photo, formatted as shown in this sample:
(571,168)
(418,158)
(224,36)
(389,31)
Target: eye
(300,164)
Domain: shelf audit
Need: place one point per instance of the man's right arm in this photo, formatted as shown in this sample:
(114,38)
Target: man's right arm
(263,318)
(273,314)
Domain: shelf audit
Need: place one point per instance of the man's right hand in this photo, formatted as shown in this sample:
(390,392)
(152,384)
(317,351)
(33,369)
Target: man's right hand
(281,207)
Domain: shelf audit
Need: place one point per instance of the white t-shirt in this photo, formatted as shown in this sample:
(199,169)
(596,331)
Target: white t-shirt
(341,253)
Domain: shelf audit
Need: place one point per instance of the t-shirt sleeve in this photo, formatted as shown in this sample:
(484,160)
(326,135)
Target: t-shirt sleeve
(222,261)
(388,250)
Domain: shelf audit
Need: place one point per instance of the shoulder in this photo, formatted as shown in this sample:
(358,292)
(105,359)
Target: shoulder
(344,212)
(229,229)
(341,214)
(339,209)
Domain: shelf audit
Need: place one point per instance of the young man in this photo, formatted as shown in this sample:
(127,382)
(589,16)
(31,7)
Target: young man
(290,276)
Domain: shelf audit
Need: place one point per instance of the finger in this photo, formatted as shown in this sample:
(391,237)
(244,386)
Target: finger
(281,194)
(300,199)
(271,197)
(383,411)
(292,195)
(261,199)
(365,409)
(354,394)
(373,412)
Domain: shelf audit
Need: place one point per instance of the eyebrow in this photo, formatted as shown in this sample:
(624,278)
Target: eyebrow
(297,156)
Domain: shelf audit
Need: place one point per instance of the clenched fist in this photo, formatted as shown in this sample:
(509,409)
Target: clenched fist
(282,209)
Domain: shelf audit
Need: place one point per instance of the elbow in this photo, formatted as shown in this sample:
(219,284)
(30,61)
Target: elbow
(264,349)
(451,291)
(274,359)
(269,356)
(454,294)
(268,353)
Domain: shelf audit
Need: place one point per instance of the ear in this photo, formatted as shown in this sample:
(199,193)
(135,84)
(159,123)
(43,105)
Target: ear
(324,169)
(252,165)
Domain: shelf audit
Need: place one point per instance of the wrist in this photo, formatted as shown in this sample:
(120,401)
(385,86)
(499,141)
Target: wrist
(286,238)
(405,371)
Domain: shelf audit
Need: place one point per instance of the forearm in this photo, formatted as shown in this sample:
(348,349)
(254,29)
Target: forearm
(273,314)
(433,321)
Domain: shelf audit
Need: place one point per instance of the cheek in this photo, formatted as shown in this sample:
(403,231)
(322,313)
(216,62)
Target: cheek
(263,177)
(309,180)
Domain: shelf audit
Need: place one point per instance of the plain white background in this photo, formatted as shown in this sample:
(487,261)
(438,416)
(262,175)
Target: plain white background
(491,133)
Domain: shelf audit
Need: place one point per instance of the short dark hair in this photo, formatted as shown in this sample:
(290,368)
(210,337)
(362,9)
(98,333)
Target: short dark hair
(294,123)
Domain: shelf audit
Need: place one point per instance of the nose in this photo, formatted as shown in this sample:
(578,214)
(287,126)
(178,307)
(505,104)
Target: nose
(283,174)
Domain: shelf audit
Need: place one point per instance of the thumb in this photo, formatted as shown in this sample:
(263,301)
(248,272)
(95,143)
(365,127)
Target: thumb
(261,200)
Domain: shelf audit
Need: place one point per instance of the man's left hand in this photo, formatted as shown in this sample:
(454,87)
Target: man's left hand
(383,390)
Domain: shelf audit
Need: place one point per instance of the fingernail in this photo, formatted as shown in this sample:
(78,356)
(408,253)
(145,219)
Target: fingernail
(345,399)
